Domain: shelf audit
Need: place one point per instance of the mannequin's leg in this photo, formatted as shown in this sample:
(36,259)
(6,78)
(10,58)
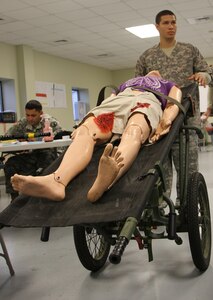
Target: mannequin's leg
(76,158)
(113,166)
(109,166)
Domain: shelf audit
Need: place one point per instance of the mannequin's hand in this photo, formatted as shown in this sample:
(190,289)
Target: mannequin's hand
(162,129)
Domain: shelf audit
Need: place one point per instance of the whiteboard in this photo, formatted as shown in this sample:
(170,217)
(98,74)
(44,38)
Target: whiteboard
(203,98)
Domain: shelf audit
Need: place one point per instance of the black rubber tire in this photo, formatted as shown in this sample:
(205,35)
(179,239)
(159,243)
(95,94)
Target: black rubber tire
(91,247)
(199,221)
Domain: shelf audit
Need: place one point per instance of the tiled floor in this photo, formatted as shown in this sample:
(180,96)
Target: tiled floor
(51,270)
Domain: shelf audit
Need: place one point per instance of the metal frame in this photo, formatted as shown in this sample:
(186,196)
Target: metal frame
(5,255)
(118,234)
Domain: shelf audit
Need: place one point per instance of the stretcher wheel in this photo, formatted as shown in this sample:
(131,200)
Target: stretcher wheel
(199,221)
(91,247)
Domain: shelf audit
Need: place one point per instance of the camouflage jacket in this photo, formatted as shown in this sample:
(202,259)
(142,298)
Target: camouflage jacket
(23,127)
(184,61)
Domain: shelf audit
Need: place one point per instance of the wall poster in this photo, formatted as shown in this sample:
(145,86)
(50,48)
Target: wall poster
(51,94)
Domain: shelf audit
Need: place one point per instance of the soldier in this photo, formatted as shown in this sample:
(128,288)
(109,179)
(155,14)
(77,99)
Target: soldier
(181,63)
(29,162)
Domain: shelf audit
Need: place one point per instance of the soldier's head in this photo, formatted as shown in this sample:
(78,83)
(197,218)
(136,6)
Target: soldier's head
(33,112)
(165,22)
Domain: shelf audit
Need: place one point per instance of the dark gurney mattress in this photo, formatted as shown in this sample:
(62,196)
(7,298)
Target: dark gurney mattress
(127,197)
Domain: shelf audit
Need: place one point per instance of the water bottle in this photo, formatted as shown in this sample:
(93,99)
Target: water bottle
(47,128)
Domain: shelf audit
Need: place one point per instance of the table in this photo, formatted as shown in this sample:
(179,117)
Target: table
(23,146)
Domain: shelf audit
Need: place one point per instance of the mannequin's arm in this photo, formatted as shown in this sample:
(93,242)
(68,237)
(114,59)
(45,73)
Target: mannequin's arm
(169,114)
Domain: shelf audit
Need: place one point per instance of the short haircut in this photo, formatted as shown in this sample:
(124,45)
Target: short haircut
(163,13)
(33,104)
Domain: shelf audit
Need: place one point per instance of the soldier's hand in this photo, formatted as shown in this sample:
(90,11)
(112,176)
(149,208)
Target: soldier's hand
(199,78)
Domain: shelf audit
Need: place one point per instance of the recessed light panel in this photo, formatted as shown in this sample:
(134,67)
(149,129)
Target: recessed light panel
(144,31)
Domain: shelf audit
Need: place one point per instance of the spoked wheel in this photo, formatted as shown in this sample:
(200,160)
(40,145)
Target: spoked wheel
(91,247)
(199,221)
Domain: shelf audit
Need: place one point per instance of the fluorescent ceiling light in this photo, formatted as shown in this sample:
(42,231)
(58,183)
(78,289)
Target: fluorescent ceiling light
(144,31)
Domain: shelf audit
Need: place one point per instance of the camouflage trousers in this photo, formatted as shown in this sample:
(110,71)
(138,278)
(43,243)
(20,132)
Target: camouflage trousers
(173,160)
(27,164)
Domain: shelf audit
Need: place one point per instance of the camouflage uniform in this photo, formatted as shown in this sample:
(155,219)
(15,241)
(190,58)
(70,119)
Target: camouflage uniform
(184,61)
(28,162)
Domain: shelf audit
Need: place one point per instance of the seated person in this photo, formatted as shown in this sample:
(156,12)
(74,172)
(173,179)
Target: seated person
(29,162)
(134,114)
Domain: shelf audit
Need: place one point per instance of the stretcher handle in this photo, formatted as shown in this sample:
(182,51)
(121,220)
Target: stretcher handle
(196,129)
(123,240)
(115,256)
(26,136)
(101,96)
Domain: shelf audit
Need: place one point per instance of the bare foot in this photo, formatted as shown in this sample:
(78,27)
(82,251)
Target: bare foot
(108,169)
(39,186)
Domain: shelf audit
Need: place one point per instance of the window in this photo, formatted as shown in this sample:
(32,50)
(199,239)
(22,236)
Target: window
(7,95)
(80,102)
(75,100)
(7,103)
(75,95)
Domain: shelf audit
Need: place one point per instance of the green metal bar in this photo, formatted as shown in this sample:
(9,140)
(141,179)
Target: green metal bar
(129,228)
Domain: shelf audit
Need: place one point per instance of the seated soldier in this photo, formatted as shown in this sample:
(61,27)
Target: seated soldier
(28,162)
(136,115)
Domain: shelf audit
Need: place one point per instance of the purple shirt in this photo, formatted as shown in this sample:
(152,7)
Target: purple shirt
(152,82)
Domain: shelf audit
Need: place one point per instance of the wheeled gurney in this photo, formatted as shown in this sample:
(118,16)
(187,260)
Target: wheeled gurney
(130,209)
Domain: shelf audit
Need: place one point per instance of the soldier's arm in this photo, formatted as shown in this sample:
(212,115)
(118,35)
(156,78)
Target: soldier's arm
(15,129)
(140,69)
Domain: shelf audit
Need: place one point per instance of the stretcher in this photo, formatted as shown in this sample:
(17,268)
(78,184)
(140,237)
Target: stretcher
(131,209)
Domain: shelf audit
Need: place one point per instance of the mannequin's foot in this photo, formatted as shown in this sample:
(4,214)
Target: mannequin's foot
(39,186)
(108,169)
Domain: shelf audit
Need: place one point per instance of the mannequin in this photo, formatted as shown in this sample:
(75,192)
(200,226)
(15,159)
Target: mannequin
(145,118)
